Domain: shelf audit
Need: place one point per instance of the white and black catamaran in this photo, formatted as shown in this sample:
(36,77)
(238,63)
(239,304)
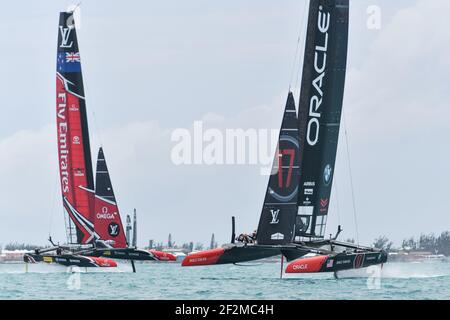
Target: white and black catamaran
(95,231)
(295,209)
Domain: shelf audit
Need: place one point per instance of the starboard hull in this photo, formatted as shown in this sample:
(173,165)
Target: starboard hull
(335,263)
(133,254)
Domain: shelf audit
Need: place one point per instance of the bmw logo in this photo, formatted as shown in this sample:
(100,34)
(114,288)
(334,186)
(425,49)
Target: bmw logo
(327,174)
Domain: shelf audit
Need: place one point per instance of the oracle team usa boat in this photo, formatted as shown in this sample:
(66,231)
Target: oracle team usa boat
(295,209)
(95,231)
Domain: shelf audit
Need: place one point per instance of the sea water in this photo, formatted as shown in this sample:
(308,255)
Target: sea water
(423,280)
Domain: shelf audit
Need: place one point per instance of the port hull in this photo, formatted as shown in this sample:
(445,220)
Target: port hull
(71,260)
(240,253)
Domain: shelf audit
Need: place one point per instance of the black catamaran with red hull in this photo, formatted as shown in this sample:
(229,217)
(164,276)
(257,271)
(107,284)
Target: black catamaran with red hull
(74,157)
(94,226)
(280,205)
(294,214)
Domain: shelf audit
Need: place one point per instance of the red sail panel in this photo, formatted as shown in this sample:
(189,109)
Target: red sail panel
(74,156)
(72,166)
(107,221)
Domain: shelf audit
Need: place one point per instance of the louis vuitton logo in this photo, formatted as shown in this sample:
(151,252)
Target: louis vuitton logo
(65,36)
(275,214)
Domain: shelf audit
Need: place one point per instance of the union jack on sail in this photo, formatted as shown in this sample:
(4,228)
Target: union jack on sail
(73,57)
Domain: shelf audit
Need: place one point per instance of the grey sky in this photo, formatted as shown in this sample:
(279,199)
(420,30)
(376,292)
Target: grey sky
(152,66)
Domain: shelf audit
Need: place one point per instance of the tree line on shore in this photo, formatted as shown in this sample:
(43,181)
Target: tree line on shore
(20,246)
(431,243)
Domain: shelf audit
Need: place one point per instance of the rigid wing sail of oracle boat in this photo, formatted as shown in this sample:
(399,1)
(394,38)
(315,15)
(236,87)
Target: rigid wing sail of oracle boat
(295,209)
(94,225)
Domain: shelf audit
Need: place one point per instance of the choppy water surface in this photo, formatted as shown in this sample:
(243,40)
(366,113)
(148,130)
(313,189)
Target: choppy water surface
(425,280)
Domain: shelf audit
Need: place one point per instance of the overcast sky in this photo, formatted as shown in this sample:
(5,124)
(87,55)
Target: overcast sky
(153,66)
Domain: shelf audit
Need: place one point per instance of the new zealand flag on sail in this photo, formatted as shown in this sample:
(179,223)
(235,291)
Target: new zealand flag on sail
(68,62)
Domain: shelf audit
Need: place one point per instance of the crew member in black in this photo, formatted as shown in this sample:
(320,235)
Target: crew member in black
(245,238)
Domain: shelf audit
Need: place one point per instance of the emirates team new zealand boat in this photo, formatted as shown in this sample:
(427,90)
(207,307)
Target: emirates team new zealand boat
(297,200)
(95,231)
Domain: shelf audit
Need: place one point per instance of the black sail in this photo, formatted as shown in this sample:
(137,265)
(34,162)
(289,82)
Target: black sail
(320,109)
(103,185)
(107,221)
(280,204)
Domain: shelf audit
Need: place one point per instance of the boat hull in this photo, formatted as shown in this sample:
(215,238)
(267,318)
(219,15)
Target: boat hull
(236,254)
(163,256)
(335,263)
(132,254)
(71,260)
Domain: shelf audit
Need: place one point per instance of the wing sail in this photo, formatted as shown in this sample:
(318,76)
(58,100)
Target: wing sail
(107,221)
(74,155)
(320,109)
(280,204)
